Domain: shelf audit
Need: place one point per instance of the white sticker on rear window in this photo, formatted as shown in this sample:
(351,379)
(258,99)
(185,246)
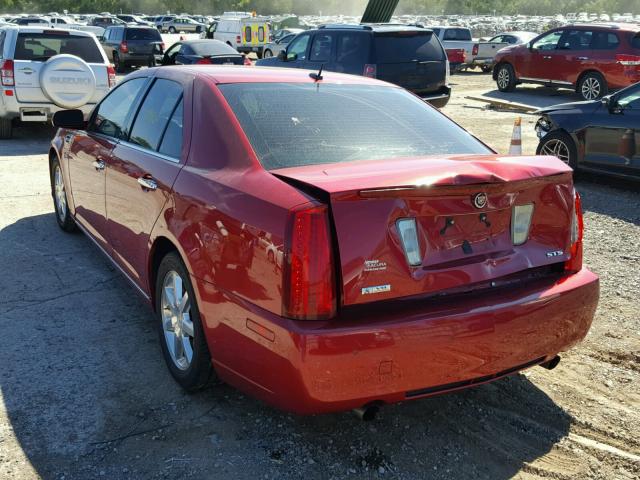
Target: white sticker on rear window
(376,289)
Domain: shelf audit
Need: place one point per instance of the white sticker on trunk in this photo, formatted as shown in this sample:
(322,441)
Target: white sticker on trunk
(376,289)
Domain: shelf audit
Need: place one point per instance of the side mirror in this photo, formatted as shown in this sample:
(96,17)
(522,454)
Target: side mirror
(73,119)
(282,56)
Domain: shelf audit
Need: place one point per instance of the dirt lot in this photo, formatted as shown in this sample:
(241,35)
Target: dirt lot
(84,392)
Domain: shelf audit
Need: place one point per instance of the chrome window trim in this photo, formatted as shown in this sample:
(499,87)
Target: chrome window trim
(155,153)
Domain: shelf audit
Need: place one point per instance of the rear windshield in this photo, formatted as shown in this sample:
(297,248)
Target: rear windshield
(143,34)
(457,34)
(305,124)
(43,46)
(212,47)
(402,47)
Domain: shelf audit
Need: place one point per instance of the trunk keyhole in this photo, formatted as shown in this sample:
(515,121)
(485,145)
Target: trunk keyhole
(447,223)
(483,219)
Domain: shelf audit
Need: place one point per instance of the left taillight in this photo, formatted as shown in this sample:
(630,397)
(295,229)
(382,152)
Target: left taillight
(309,279)
(124,48)
(474,50)
(203,61)
(111,74)
(6,74)
(574,264)
(246,61)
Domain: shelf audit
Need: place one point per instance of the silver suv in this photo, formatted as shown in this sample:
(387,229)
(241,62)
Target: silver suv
(43,70)
(182,24)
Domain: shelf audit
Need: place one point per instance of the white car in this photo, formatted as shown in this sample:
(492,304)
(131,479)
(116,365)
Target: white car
(43,70)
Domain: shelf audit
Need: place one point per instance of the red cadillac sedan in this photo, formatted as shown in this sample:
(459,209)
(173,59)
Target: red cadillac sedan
(327,242)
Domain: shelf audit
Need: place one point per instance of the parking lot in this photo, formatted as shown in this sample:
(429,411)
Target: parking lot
(85,393)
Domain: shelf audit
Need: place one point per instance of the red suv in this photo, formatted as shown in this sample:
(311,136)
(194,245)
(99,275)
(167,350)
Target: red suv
(590,58)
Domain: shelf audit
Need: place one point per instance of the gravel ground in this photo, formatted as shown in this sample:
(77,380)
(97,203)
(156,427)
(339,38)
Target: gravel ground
(84,392)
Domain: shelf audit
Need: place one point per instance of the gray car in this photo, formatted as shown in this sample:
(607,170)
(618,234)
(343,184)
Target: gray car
(182,24)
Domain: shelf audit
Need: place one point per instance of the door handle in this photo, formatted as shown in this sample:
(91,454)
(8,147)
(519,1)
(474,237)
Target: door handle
(99,165)
(582,58)
(26,70)
(547,57)
(147,183)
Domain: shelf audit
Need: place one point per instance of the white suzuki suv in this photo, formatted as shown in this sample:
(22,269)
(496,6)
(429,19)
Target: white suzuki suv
(43,70)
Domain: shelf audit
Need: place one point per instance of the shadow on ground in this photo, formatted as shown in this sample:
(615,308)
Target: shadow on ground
(28,139)
(87,394)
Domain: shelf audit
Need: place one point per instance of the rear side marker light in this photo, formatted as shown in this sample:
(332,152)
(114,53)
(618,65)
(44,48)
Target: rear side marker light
(6,73)
(408,231)
(520,223)
(370,70)
(309,280)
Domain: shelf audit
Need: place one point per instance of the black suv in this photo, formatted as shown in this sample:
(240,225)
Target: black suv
(132,45)
(409,56)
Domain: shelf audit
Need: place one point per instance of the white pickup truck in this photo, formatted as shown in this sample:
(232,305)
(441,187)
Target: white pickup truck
(486,51)
(456,38)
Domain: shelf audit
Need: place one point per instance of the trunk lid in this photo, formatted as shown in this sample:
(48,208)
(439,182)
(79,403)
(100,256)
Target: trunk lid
(461,243)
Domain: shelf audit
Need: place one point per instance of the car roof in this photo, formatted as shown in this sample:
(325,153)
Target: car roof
(626,27)
(35,29)
(375,27)
(224,74)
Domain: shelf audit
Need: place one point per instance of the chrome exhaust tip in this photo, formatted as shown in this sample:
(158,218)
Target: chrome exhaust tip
(367,413)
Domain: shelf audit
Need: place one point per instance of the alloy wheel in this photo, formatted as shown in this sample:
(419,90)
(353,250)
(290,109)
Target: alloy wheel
(60,195)
(176,320)
(556,148)
(268,54)
(503,78)
(591,88)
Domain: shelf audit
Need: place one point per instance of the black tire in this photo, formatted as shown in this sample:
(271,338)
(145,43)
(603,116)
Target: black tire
(486,68)
(505,78)
(267,53)
(551,144)
(152,61)
(119,64)
(172,30)
(592,86)
(61,208)
(199,372)
(6,128)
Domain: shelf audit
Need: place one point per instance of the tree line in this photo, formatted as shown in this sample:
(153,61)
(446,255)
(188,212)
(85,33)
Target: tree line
(325,7)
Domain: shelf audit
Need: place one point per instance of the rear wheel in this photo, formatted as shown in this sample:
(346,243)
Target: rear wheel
(6,128)
(559,144)
(181,334)
(172,30)
(592,86)
(506,78)
(267,53)
(152,61)
(60,204)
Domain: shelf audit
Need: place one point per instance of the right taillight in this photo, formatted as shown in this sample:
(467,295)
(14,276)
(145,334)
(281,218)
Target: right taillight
(474,50)
(309,280)
(574,264)
(370,70)
(520,223)
(124,48)
(111,75)
(203,61)
(628,60)
(6,74)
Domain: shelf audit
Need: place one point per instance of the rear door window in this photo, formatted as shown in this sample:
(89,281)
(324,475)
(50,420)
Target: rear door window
(605,41)
(247,33)
(635,41)
(353,48)
(402,47)
(111,115)
(171,144)
(306,124)
(150,34)
(42,46)
(261,34)
(154,113)
(321,48)
(576,40)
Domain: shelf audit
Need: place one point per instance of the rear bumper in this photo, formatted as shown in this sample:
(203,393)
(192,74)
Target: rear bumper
(12,108)
(438,99)
(141,58)
(315,367)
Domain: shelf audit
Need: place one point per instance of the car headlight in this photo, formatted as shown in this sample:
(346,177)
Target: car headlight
(543,127)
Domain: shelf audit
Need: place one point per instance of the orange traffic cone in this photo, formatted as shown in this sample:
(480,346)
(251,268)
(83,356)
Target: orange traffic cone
(515,148)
